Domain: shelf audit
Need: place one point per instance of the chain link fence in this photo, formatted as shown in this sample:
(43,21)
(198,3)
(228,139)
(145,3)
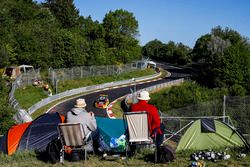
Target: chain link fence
(238,108)
(86,71)
(234,111)
(22,80)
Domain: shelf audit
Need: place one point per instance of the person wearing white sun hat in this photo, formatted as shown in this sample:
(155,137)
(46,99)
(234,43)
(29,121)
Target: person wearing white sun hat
(154,121)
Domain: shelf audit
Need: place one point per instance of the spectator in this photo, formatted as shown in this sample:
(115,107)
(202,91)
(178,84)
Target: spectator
(78,114)
(154,122)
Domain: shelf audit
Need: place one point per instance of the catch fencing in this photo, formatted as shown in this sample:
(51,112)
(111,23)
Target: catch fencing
(21,81)
(232,110)
(86,71)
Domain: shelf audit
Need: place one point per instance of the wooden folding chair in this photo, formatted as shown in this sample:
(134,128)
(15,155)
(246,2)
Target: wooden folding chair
(73,137)
(137,130)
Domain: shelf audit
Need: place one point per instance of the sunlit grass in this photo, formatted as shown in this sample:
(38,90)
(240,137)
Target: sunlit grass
(72,84)
(144,158)
(117,110)
(29,95)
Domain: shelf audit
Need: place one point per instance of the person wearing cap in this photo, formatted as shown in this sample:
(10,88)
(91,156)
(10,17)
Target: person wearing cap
(154,121)
(78,114)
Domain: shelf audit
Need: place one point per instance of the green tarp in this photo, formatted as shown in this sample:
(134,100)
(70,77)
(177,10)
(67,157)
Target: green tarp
(224,136)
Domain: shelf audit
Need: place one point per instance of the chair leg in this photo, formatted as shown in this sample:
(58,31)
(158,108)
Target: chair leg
(126,154)
(156,148)
(61,156)
(156,154)
(85,155)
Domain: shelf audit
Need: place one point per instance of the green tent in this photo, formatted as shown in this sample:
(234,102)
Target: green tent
(210,134)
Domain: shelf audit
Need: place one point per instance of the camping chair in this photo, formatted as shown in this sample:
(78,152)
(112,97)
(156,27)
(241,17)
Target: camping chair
(137,130)
(72,137)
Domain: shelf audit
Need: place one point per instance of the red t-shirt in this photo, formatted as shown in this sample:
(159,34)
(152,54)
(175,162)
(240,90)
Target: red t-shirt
(153,116)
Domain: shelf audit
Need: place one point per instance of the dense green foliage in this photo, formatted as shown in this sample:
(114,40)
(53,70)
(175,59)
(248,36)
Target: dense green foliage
(222,59)
(53,34)
(6,111)
(188,94)
(173,53)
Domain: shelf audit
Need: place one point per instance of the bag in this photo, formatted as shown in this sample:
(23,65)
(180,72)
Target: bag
(53,150)
(165,154)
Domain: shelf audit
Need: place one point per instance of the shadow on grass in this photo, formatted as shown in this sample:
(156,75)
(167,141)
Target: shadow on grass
(42,156)
(148,158)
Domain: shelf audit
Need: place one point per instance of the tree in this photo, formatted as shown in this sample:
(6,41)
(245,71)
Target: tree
(92,30)
(121,29)
(65,12)
(153,50)
(223,58)
(6,112)
(170,52)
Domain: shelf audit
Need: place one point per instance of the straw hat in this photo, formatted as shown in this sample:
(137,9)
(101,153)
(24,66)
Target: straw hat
(143,95)
(80,103)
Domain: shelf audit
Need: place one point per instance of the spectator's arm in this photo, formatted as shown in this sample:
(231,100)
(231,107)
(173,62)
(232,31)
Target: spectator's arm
(92,123)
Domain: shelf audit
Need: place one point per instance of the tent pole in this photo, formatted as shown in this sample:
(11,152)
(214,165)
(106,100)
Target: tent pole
(177,132)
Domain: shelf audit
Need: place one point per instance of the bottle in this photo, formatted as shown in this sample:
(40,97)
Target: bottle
(113,143)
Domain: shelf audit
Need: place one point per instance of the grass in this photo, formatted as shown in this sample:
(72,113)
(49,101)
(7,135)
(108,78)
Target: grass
(26,159)
(72,84)
(117,110)
(29,95)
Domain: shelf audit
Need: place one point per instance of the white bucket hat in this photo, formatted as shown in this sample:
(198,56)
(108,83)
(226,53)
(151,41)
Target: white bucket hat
(143,95)
(80,103)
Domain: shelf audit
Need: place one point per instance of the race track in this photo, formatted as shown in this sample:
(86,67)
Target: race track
(64,107)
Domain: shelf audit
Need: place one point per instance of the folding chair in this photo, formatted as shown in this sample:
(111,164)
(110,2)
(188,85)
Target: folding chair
(72,137)
(137,130)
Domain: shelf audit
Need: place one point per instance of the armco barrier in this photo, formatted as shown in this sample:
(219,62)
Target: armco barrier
(155,88)
(72,92)
(150,89)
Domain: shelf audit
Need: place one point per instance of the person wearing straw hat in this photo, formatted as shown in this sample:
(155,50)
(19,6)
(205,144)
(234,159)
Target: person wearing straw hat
(154,121)
(78,114)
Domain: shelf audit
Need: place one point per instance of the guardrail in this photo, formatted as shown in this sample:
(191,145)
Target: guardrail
(72,92)
(153,88)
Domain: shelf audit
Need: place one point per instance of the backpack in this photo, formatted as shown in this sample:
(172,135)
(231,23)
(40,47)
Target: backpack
(53,150)
(165,154)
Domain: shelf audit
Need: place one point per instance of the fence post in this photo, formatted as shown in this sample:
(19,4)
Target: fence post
(224,107)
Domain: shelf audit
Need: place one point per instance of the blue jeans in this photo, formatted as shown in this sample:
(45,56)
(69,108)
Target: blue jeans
(99,144)
(160,137)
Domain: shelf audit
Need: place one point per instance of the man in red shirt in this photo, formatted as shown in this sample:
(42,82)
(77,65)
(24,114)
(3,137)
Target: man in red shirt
(154,122)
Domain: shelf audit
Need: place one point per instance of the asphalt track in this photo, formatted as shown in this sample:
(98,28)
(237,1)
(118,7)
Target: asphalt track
(115,93)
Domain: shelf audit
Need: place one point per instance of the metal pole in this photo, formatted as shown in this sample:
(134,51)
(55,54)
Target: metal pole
(224,108)
(57,86)
(134,95)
